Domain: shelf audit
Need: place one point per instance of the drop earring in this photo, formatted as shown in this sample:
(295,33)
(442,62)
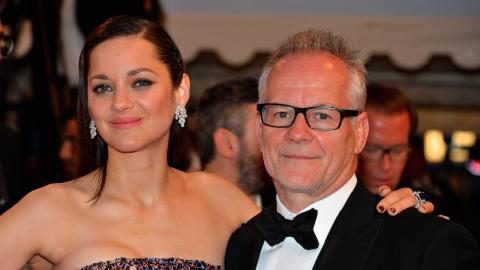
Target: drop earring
(181,114)
(93,129)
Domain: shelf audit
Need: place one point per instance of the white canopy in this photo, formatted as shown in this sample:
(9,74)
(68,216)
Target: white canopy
(409,41)
(409,31)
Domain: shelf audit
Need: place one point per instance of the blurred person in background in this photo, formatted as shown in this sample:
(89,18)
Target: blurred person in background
(392,125)
(69,152)
(226,115)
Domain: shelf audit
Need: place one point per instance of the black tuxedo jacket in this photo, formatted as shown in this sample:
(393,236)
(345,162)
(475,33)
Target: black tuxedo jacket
(360,238)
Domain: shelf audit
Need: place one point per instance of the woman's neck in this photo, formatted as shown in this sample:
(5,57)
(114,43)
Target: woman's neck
(143,176)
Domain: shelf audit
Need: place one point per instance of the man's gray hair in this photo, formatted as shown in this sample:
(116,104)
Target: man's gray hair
(316,41)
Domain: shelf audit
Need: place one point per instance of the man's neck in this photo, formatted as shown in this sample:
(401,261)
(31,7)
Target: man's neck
(297,201)
(224,169)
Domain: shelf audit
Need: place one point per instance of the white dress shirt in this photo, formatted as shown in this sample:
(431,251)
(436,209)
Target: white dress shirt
(291,255)
(257,199)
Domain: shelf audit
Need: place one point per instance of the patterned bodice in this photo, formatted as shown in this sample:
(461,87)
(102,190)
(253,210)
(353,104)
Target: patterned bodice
(151,264)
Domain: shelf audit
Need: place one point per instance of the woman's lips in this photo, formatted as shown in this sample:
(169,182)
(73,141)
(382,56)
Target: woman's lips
(124,123)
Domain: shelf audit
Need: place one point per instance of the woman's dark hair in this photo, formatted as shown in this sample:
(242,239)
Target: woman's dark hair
(93,152)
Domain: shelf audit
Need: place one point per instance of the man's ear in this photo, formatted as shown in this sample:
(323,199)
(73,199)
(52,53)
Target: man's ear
(258,131)
(182,94)
(361,132)
(227,143)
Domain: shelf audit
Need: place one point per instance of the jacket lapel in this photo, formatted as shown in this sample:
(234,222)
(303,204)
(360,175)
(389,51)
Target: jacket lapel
(353,233)
(255,242)
(252,251)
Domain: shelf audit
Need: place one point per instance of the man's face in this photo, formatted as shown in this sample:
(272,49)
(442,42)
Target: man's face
(69,152)
(376,167)
(252,174)
(301,160)
(6,43)
(1,35)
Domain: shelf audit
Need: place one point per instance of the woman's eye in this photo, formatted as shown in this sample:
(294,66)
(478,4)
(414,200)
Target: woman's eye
(141,83)
(100,89)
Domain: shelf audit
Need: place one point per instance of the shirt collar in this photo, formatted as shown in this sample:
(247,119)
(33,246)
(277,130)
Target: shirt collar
(333,202)
(327,208)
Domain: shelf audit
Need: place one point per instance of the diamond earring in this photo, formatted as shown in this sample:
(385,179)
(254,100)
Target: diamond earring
(181,114)
(93,129)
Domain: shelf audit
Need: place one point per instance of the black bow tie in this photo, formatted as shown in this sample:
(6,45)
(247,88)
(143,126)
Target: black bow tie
(274,227)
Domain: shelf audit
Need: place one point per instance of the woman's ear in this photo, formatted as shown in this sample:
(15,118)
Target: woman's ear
(183,91)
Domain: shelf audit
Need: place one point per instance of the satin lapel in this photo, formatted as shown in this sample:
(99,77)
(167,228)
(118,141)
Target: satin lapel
(255,244)
(352,235)
(252,251)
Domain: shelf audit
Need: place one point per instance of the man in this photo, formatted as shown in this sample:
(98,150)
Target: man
(226,116)
(69,153)
(311,127)
(6,44)
(392,123)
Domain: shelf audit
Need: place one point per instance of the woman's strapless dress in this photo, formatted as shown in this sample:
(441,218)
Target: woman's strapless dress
(151,264)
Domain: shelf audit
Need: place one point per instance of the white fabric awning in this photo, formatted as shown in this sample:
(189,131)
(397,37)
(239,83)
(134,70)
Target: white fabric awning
(410,32)
(409,41)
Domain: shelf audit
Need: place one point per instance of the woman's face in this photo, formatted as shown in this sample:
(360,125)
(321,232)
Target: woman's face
(130,94)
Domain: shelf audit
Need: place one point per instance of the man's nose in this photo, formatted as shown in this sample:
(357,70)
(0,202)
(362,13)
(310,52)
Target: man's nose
(299,130)
(386,161)
(66,150)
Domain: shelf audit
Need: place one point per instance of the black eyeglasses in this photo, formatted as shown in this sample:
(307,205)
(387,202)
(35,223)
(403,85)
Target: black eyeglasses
(375,153)
(319,118)
(6,45)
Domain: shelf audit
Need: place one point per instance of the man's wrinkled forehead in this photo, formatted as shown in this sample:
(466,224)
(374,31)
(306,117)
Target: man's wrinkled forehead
(319,72)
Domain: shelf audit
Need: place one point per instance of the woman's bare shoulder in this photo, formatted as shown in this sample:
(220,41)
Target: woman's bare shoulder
(41,201)
(29,224)
(224,194)
(51,199)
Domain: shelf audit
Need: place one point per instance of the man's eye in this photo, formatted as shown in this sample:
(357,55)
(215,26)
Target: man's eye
(322,116)
(399,149)
(103,88)
(141,83)
(282,115)
(371,149)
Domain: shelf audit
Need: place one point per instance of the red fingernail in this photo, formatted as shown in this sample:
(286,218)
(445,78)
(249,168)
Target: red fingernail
(392,210)
(381,208)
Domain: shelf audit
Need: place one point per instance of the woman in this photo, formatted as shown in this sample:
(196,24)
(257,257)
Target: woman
(133,205)
(130,209)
